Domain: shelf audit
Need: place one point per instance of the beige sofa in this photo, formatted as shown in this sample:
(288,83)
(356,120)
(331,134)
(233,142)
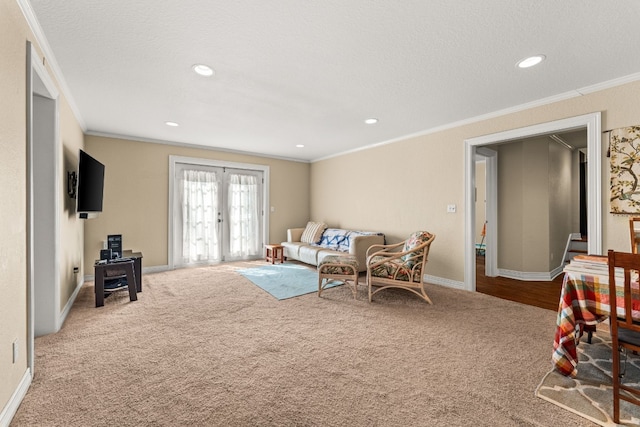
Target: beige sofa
(334,241)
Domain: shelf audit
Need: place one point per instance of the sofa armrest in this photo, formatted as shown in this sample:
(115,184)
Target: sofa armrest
(359,245)
(294,234)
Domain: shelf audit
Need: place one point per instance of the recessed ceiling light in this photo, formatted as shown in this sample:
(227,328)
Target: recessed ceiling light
(300,145)
(371,121)
(203,70)
(530,61)
(172,124)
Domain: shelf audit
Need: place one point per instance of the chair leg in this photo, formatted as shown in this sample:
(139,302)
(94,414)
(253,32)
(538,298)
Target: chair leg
(615,373)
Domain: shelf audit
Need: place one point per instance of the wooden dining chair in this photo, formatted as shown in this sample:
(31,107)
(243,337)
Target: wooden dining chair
(625,333)
(634,230)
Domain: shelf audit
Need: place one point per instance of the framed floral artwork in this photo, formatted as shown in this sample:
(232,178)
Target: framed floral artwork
(624,148)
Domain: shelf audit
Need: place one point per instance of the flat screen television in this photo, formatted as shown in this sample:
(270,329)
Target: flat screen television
(90,185)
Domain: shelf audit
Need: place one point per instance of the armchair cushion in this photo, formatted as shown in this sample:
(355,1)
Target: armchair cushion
(416,239)
(395,269)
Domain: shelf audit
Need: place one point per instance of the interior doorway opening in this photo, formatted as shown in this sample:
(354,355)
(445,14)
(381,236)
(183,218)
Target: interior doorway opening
(590,122)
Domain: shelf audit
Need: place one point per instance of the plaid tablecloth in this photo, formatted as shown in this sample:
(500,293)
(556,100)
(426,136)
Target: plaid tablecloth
(584,300)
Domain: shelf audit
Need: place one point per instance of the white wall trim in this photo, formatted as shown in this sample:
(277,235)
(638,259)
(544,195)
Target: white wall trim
(46,319)
(443,282)
(515,109)
(67,307)
(145,270)
(592,123)
(10,409)
(491,214)
(42,41)
(190,145)
(528,276)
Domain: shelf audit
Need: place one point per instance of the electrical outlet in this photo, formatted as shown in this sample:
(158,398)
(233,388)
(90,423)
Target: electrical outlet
(451,208)
(15,351)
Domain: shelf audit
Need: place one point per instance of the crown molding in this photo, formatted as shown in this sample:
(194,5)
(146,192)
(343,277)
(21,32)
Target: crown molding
(515,109)
(190,145)
(43,44)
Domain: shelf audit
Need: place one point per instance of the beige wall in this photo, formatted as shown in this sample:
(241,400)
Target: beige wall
(534,204)
(511,230)
(71,228)
(136,195)
(405,186)
(13,280)
(14,34)
(560,202)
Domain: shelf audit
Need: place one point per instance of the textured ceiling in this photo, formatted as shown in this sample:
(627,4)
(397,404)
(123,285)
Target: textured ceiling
(293,72)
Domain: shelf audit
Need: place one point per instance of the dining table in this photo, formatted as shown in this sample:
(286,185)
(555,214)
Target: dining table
(584,301)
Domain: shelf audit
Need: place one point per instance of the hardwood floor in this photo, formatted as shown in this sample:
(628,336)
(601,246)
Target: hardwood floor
(539,294)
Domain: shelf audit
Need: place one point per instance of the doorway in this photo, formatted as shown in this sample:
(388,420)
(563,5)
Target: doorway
(43,196)
(217,211)
(590,122)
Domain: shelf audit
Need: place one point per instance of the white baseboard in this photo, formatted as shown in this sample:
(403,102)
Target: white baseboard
(145,270)
(155,269)
(545,276)
(67,307)
(443,282)
(12,405)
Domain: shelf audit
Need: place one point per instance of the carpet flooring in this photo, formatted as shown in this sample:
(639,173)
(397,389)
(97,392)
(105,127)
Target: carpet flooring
(590,393)
(205,347)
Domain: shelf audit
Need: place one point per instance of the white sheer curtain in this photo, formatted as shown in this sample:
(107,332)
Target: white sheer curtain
(244,215)
(200,239)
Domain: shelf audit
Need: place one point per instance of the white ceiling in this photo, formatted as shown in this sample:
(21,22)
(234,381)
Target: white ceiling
(293,72)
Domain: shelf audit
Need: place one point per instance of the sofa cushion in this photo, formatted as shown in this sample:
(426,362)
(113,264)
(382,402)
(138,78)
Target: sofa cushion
(312,232)
(308,254)
(292,249)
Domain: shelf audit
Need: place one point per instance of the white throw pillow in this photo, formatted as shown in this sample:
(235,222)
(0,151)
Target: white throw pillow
(313,232)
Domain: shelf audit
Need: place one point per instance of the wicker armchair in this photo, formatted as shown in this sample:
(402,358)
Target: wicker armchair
(400,265)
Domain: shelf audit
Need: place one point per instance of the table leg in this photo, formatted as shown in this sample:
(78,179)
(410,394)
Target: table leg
(131,282)
(99,287)
(138,272)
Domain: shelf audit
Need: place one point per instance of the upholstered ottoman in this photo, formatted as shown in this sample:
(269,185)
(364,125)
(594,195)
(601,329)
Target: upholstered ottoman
(338,268)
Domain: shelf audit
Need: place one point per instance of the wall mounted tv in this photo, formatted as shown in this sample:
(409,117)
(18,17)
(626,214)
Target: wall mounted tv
(90,186)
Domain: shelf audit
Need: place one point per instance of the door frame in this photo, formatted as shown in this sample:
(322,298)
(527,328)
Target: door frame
(592,123)
(491,210)
(43,299)
(215,163)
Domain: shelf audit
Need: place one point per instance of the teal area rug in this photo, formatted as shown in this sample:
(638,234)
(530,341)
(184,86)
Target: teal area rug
(284,281)
(590,394)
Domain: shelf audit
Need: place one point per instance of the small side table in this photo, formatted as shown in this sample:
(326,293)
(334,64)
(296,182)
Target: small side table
(113,270)
(274,253)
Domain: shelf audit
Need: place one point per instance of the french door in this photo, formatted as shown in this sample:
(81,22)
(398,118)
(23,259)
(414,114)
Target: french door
(218,213)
